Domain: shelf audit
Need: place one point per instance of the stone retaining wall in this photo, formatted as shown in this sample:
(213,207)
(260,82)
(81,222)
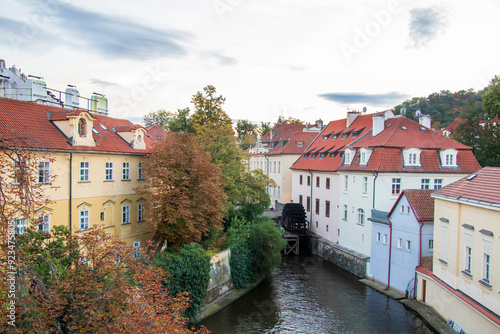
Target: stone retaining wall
(220,276)
(342,257)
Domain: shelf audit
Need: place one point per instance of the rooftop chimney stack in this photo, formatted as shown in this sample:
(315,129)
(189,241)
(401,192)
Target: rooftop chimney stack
(425,120)
(378,124)
(351,116)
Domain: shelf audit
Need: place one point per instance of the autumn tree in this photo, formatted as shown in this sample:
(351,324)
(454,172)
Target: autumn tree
(491,98)
(160,118)
(184,191)
(246,132)
(178,121)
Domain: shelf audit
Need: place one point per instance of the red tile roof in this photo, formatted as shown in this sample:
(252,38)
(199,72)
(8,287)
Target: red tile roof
(453,125)
(292,145)
(402,133)
(28,125)
(283,131)
(330,143)
(421,203)
(484,187)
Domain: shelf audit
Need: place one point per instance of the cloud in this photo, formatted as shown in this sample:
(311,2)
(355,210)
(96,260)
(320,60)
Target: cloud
(103,83)
(389,98)
(219,57)
(426,25)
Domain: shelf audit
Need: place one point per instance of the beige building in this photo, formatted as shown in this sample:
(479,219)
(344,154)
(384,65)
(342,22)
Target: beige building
(89,166)
(464,286)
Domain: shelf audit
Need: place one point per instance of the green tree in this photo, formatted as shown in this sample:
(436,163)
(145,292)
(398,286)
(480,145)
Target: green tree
(181,122)
(247,134)
(184,191)
(491,99)
(266,244)
(160,118)
(289,120)
(265,127)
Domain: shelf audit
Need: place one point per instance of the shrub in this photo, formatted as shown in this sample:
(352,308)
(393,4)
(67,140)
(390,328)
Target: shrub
(266,244)
(242,266)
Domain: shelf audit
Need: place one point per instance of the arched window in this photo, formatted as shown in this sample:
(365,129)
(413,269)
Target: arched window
(361,217)
(81,127)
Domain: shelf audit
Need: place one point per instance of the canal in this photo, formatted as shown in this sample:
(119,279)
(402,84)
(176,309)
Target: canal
(309,295)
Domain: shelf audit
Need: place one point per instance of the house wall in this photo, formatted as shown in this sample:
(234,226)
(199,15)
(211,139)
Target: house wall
(103,199)
(453,272)
(320,224)
(379,255)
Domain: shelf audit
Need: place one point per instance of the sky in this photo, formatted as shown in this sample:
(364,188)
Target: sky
(303,59)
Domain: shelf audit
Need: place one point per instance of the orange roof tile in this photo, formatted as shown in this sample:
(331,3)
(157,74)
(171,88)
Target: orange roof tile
(30,124)
(422,203)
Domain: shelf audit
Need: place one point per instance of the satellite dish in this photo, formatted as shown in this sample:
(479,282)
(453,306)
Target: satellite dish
(403,111)
(364,109)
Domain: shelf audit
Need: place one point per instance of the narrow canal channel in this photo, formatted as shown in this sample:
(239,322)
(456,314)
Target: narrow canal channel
(309,295)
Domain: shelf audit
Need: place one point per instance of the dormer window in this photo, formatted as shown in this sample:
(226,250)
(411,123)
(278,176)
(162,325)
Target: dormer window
(82,127)
(364,156)
(349,155)
(411,157)
(449,158)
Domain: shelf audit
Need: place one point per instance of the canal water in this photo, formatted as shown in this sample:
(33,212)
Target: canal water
(309,295)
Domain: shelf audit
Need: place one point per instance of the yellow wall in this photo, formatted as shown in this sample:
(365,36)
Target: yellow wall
(96,195)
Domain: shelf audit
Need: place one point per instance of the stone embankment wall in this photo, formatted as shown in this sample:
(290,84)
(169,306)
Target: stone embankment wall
(220,276)
(342,257)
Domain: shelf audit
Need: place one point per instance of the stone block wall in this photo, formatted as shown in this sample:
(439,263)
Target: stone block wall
(220,276)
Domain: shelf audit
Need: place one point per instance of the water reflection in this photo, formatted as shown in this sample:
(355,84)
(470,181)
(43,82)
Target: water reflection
(309,295)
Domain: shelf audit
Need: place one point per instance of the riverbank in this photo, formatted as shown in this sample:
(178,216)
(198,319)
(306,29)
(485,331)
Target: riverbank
(426,313)
(225,300)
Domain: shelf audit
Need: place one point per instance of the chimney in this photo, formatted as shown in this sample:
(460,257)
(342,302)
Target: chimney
(425,120)
(351,116)
(378,124)
(319,123)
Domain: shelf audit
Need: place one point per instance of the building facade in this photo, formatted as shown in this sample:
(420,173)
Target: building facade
(95,162)
(464,285)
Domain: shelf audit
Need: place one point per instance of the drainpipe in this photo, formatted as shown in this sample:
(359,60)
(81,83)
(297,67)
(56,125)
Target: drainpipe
(415,284)
(267,172)
(311,201)
(390,252)
(70,190)
(375,174)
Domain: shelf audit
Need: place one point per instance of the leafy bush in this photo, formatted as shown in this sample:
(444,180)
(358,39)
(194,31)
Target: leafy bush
(190,271)
(266,244)
(242,266)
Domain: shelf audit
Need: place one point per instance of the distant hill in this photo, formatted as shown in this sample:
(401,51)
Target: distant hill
(444,106)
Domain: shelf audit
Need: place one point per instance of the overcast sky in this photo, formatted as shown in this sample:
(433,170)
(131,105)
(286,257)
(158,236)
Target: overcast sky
(306,59)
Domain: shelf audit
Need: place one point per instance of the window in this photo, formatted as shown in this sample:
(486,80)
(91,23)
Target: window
(363,158)
(43,172)
(438,183)
(126,171)
(279,167)
(84,219)
(378,236)
(84,171)
(412,158)
(425,184)
(125,214)
(140,212)
(365,184)
(108,171)
(308,180)
(347,158)
(19,172)
(279,191)
(140,171)
(317,206)
(449,160)
(431,245)
(81,127)
(43,223)
(317,181)
(486,267)
(346,182)
(20,225)
(402,210)
(385,239)
(308,204)
(327,184)
(400,243)
(345,211)
(327,208)
(408,245)
(274,167)
(468,259)
(300,199)
(396,186)
(137,250)
(300,179)
(444,243)
(361,217)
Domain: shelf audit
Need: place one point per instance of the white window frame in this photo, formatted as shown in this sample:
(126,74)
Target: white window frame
(468,259)
(408,245)
(444,243)
(385,239)
(396,186)
(365,184)
(84,219)
(486,276)
(43,172)
(378,236)
(438,183)
(126,171)
(400,243)
(21,224)
(345,211)
(412,157)
(425,184)
(137,249)
(140,171)
(361,216)
(449,158)
(346,182)
(43,222)
(431,245)
(108,171)
(140,212)
(125,214)
(84,171)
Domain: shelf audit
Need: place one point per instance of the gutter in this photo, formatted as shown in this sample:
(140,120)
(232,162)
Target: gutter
(267,171)
(375,174)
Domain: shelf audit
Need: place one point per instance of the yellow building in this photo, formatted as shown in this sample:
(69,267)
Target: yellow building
(95,162)
(464,286)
